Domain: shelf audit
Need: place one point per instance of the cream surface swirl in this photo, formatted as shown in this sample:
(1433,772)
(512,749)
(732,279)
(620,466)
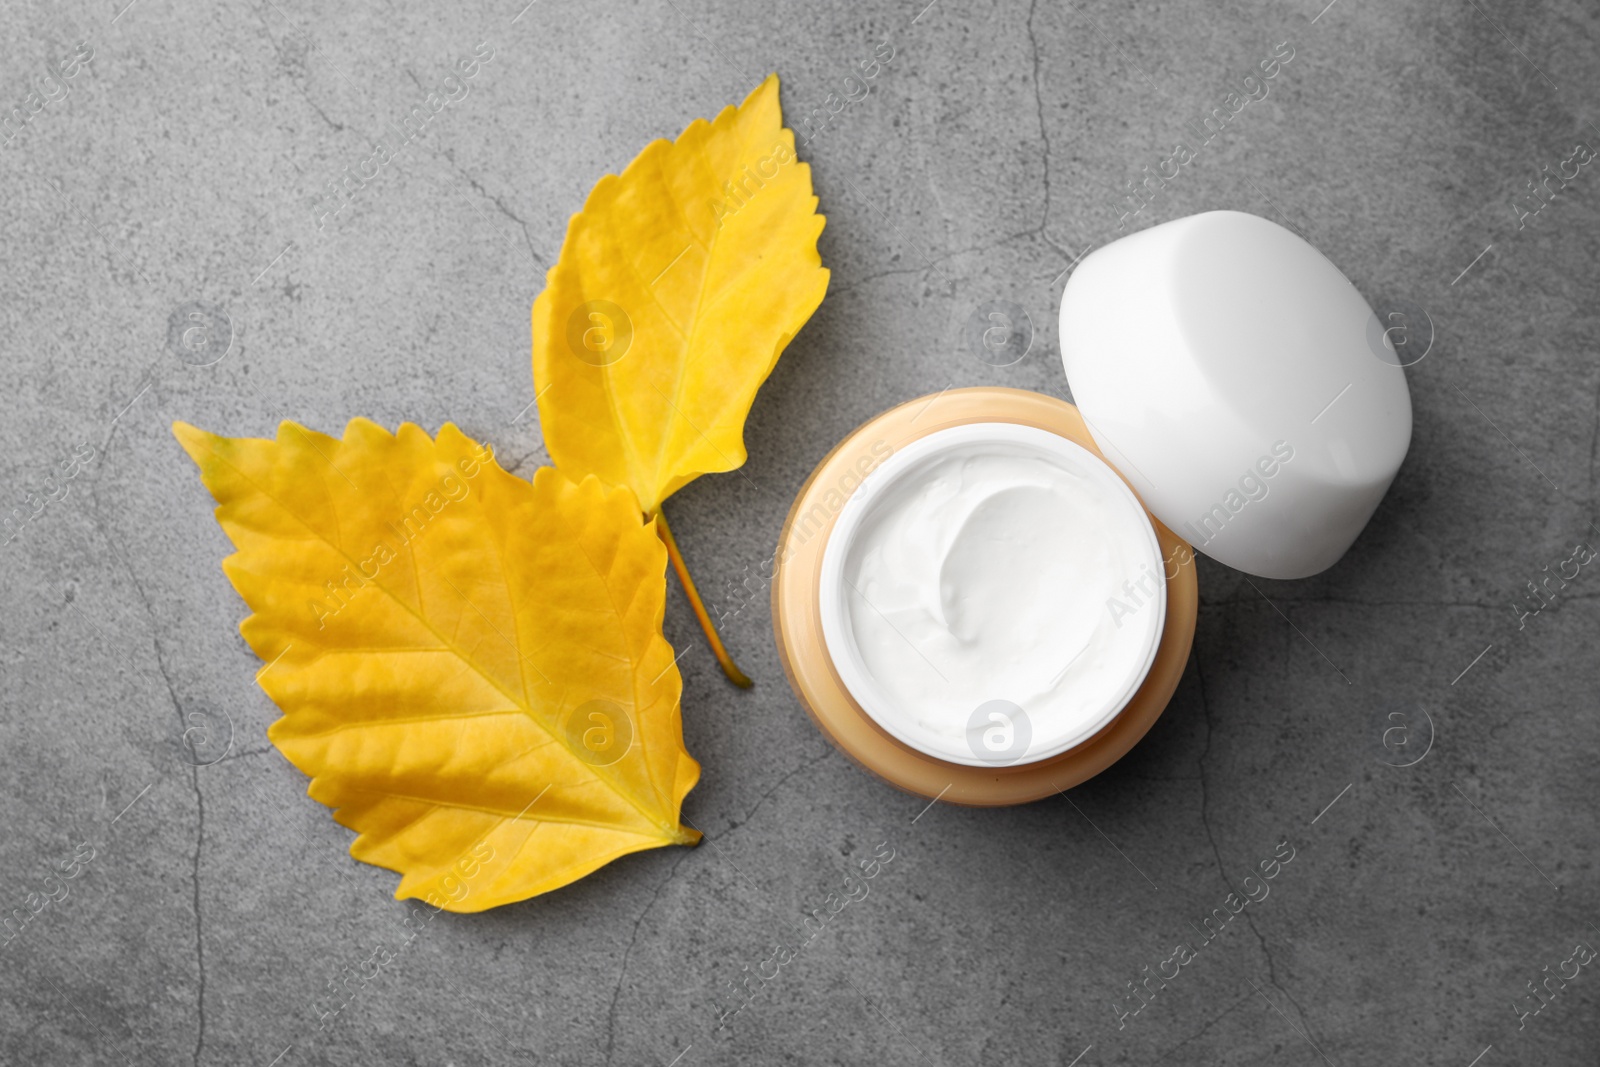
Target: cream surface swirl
(976,594)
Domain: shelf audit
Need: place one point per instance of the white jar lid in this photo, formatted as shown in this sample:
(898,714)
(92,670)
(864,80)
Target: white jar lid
(1241,384)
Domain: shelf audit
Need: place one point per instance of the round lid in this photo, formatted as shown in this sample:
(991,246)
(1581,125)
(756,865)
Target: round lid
(1236,378)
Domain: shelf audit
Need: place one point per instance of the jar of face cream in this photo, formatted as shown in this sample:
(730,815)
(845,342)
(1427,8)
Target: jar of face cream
(980,597)
(973,604)
(992,594)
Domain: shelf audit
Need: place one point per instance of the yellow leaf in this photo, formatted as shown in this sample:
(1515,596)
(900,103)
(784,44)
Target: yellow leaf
(678,286)
(470,666)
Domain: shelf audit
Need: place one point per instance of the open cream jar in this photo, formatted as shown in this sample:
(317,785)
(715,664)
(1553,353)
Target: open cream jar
(948,594)
(980,601)
(992,594)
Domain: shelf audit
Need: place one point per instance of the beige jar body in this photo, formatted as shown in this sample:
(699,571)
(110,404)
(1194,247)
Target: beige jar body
(797,622)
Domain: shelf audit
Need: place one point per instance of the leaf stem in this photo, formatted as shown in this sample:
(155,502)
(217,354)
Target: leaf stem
(730,668)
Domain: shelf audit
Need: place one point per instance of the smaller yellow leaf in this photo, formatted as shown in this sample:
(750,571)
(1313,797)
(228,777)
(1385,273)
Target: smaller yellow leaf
(678,286)
(470,666)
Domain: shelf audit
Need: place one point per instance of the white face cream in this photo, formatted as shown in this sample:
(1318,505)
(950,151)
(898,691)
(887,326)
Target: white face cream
(992,594)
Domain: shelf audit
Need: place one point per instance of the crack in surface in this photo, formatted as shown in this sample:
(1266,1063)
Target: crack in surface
(503,209)
(1038,105)
(200,825)
(1594,446)
(1205,804)
(762,799)
(1044,133)
(194,771)
(1326,599)
(1229,1010)
(199,939)
(1247,601)
(285,64)
(627,955)
(893,271)
(1205,822)
(522,461)
(247,753)
(500,205)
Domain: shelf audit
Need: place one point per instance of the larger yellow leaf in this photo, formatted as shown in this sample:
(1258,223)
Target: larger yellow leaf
(678,286)
(470,666)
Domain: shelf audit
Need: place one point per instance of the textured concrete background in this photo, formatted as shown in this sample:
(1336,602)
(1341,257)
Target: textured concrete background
(178,173)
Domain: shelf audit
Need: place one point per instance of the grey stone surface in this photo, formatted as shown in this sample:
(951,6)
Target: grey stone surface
(179,173)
